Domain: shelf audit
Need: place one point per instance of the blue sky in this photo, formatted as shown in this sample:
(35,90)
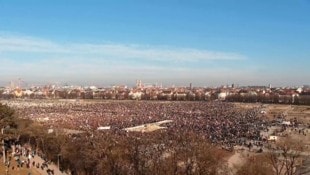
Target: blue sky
(207,43)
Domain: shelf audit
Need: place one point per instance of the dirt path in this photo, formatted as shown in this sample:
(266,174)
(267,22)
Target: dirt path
(235,161)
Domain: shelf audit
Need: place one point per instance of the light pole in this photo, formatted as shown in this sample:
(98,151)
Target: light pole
(4,153)
(3,147)
(58,161)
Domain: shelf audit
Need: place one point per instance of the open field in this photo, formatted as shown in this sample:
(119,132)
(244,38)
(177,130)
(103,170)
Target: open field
(301,113)
(289,113)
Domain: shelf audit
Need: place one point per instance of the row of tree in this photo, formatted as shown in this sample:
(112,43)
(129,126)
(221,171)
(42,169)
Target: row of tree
(118,152)
(273,98)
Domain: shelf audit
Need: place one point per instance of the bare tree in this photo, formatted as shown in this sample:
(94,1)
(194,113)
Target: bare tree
(286,157)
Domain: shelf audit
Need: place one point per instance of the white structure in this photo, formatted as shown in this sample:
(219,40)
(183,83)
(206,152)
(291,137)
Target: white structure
(288,123)
(273,138)
(222,95)
(299,90)
(135,95)
(49,131)
(27,92)
(104,128)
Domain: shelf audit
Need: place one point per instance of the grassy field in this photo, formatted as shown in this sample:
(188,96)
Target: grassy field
(302,113)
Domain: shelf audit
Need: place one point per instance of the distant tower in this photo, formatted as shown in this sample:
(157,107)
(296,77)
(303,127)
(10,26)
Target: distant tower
(269,86)
(138,83)
(190,86)
(233,85)
(12,86)
(19,83)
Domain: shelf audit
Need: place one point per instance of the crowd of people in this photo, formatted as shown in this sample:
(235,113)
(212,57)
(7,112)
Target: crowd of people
(221,123)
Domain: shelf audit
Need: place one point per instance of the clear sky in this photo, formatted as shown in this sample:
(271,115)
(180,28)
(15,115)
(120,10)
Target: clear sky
(205,42)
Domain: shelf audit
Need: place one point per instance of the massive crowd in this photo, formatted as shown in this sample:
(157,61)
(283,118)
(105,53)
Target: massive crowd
(221,123)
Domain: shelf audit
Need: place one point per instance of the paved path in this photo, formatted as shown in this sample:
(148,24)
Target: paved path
(148,126)
(51,166)
(35,170)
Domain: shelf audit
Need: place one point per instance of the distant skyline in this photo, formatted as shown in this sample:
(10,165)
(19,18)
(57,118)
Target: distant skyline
(174,42)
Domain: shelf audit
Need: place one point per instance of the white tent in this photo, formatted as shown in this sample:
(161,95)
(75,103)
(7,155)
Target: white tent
(104,127)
